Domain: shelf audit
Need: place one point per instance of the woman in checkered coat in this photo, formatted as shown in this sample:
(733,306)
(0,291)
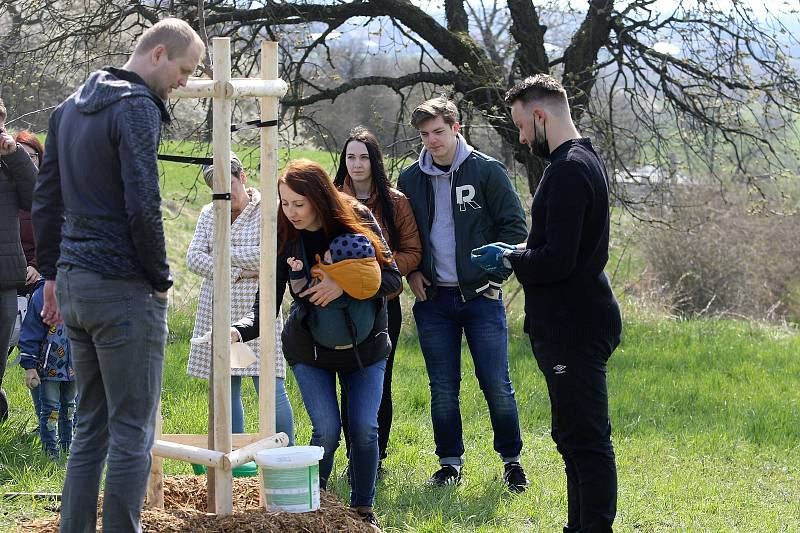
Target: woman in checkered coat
(245,254)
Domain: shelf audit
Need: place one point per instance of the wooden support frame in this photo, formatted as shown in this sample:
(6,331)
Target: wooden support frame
(225,451)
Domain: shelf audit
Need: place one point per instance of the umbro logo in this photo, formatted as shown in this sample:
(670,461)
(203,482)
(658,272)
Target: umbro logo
(560,369)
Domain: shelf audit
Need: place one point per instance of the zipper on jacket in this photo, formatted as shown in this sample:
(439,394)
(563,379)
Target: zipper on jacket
(455,226)
(431,214)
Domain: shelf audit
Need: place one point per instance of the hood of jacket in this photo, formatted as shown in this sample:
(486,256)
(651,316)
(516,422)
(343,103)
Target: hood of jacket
(110,85)
(463,149)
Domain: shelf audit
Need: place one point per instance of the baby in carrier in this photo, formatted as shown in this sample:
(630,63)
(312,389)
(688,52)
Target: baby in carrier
(347,321)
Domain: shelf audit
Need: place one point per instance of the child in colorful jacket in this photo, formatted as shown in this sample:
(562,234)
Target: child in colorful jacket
(47,359)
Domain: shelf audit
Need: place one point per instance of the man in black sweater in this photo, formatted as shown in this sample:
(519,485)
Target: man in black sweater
(571,314)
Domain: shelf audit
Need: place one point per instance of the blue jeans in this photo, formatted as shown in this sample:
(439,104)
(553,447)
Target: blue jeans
(440,323)
(284,417)
(62,418)
(57,400)
(118,331)
(364,390)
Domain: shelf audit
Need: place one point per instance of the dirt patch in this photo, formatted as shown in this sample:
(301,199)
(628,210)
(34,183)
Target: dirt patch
(185,510)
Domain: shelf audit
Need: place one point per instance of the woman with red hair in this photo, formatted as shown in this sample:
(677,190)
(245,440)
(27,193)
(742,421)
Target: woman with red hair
(312,214)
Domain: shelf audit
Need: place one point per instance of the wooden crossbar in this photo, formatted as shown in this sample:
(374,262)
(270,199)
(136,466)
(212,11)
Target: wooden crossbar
(234,88)
(191,454)
(239,440)
(248,453)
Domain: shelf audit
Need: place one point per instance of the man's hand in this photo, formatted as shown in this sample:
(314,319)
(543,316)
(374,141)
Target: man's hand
(7,144)
(161,295)
(418,282)
(490,256)
(323,292)
(32,379)
(50,312)
(31,275)
(235,336)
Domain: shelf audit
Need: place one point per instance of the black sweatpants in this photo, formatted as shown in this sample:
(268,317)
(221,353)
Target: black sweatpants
(576,383)
(385,410)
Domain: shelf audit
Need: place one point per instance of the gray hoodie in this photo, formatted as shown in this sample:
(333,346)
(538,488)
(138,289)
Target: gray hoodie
(97,203)
(443,229)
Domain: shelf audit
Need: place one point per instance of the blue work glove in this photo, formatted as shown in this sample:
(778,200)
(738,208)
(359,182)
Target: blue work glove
(490,257)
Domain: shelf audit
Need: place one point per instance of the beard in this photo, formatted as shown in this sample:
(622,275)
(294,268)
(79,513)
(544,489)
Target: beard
(540,145)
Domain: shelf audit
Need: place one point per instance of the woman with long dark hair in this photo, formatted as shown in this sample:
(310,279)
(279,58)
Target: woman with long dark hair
(313,213)
(362,175)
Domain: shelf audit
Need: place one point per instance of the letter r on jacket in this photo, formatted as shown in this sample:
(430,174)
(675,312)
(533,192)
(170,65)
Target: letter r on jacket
(464,196)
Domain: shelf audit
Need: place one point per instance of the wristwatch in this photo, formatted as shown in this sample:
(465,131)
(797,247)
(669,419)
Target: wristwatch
(506,262)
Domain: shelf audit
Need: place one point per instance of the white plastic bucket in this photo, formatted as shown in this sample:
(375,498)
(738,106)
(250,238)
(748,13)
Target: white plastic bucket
(291,478)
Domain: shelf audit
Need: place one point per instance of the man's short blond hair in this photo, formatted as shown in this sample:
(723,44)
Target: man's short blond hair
(175,34)
(435,107)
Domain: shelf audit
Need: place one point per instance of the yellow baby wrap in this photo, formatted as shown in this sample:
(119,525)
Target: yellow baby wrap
(359,278)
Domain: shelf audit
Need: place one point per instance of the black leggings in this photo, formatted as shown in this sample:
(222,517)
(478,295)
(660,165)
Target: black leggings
(385,410)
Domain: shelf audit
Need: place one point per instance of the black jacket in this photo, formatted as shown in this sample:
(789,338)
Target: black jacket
(567,294)
(298,344)
(97,203)
(17,176)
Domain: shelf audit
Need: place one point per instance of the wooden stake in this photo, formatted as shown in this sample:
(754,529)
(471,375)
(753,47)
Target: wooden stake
(155,484)
(211,501)
(221,314)
(266,277)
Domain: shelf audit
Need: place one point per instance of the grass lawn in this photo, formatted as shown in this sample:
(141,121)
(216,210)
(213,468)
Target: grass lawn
(706,417)
(706,421)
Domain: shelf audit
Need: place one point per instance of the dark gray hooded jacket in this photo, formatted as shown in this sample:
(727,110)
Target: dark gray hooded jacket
(17,176)
(97,196)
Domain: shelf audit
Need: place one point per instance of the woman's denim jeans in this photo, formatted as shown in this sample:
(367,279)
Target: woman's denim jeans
(284,417)
(364,391)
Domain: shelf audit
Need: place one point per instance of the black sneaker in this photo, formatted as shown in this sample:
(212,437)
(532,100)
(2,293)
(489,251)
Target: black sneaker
(369,518)
(446,475)
(514,476)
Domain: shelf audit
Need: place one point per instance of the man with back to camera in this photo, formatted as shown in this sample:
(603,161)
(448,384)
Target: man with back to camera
(462,199)
(571,314)
(17,176)
(100,247)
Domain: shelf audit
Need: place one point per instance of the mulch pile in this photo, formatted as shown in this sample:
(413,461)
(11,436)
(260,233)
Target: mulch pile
(185,510)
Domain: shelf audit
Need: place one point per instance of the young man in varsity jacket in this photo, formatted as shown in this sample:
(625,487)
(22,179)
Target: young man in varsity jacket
(571,314)
(462,199)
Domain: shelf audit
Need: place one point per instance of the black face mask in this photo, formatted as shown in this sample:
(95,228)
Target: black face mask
(540,146)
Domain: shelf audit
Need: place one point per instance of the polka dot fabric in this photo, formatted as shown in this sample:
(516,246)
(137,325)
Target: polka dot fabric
(351,246)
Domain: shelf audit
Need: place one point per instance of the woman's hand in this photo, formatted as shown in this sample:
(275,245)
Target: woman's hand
(235,337)
(323,292)
(31,275)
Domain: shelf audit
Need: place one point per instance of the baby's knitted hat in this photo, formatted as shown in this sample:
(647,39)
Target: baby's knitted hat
(351,246)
